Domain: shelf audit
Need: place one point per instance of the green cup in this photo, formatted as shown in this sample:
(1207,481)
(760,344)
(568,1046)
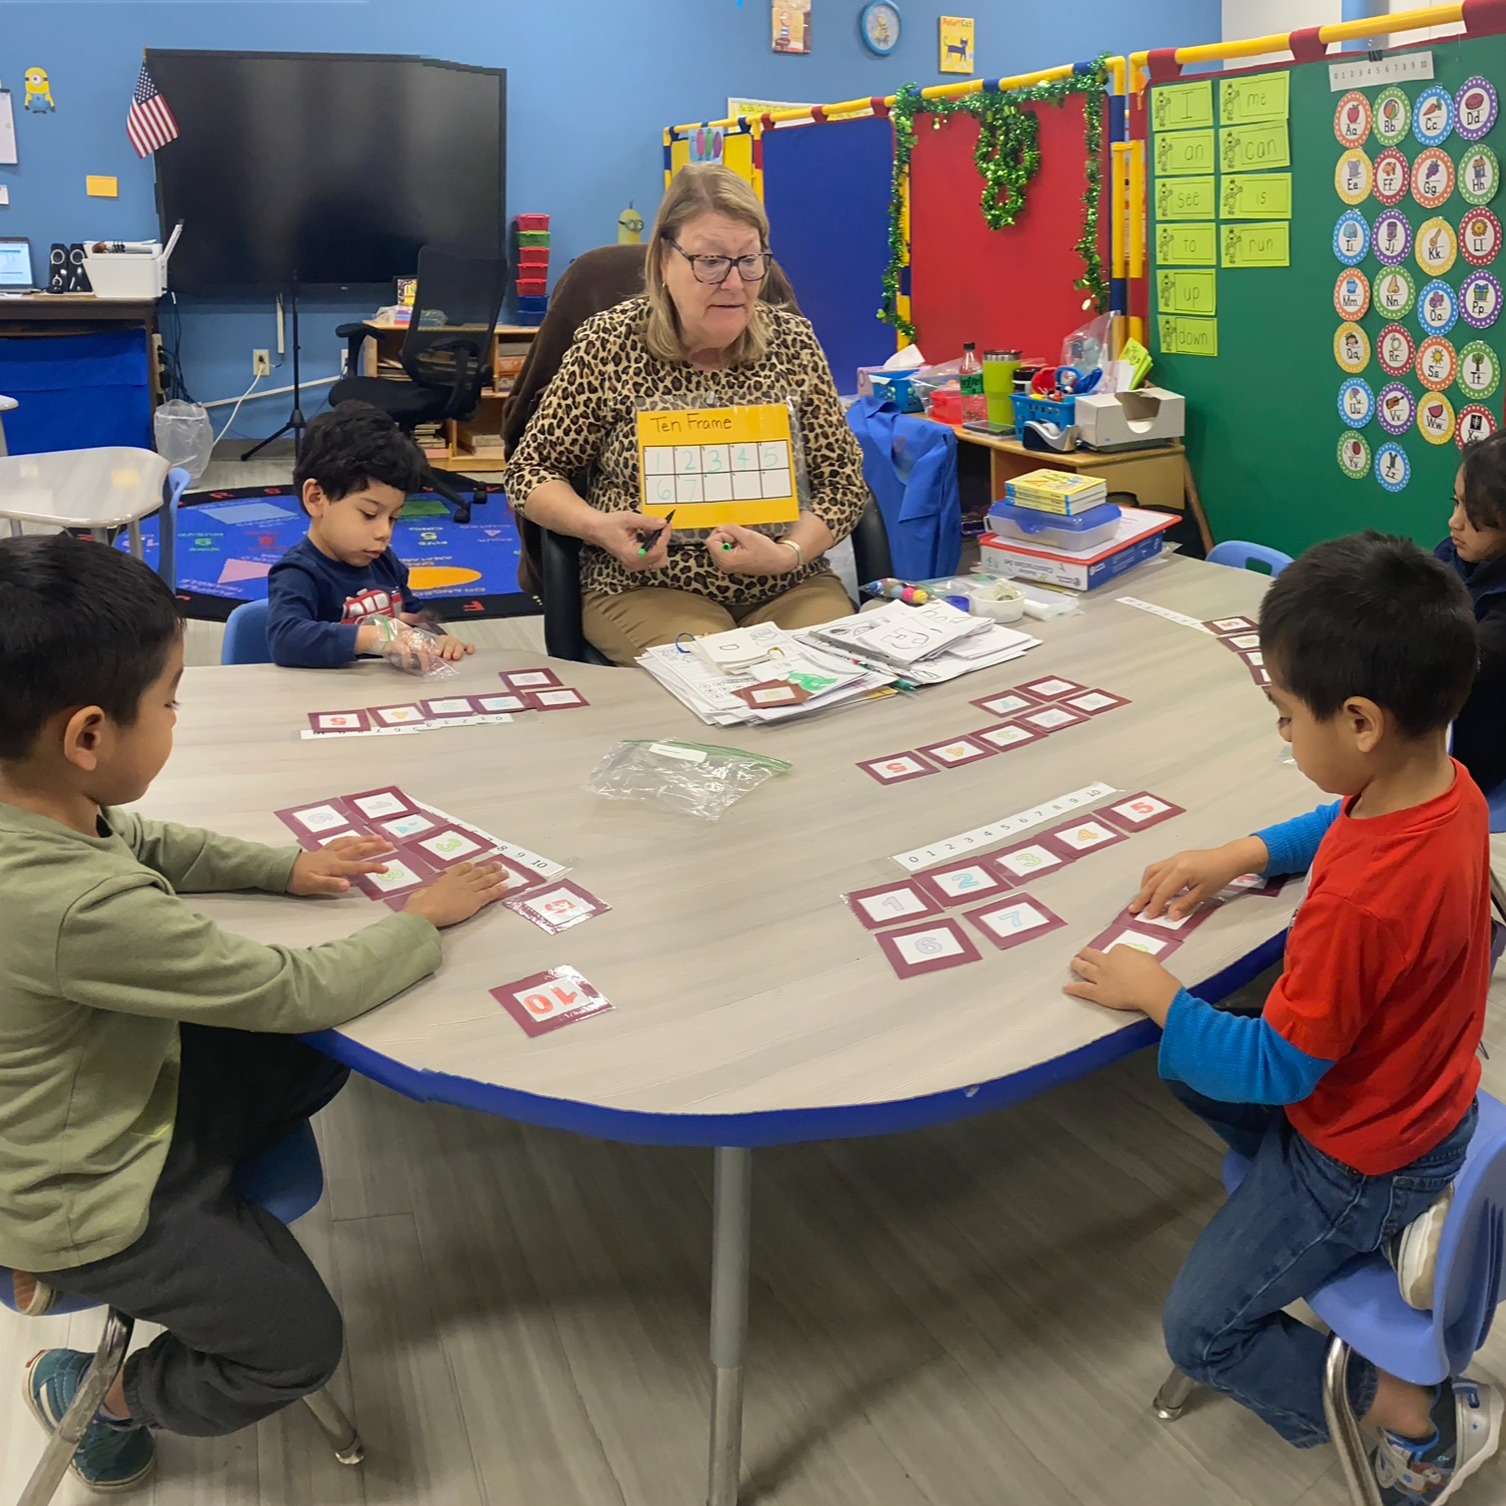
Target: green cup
(999,367)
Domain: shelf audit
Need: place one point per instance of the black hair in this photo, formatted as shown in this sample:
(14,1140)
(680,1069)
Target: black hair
(1372,616)
(1484,483)
(347,448)
(81,624)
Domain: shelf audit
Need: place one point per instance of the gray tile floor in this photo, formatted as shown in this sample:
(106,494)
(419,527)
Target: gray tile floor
(963,1317)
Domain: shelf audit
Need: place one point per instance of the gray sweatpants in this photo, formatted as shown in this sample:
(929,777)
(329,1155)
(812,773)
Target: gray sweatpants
(250,1325)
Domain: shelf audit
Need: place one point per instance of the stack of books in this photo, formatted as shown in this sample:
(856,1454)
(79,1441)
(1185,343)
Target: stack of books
(1060,492)
(431,439)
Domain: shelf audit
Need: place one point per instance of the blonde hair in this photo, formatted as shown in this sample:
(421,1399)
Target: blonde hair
(698,190)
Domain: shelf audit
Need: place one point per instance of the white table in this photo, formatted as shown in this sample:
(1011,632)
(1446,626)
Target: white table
(751,1008)
(105,488)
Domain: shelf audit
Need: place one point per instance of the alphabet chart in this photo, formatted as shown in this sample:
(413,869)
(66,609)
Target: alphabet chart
(711,466)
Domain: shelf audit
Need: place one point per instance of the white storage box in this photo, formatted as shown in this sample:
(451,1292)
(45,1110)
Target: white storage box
(135,270)
(1138,539)
(1124,420)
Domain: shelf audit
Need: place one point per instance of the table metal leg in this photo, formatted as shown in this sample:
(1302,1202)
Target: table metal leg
(134,529)
(731,1225)
(15,528)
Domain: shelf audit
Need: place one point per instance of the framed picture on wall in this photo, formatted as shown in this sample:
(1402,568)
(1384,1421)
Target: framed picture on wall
(956,44)
(791,21)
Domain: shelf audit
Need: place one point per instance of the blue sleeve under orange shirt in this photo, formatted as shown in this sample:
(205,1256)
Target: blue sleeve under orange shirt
(1369,1036)
(315,604)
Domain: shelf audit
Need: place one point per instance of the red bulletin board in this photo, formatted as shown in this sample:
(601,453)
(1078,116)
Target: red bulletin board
(1005,289)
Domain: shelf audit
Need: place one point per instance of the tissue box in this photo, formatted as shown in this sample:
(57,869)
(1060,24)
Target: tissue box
(1125,420)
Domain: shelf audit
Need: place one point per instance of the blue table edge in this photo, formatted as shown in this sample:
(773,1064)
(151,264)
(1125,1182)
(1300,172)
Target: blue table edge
(779,1126)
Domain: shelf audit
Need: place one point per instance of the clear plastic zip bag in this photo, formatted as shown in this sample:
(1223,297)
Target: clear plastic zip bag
(695,779)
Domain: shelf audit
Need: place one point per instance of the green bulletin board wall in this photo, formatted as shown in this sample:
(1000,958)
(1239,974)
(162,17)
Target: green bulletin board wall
(1256,348)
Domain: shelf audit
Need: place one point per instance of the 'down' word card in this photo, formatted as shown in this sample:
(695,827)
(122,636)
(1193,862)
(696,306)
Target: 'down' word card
(712,466)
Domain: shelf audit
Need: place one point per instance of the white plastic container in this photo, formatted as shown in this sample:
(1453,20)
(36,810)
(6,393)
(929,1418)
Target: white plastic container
(138,274)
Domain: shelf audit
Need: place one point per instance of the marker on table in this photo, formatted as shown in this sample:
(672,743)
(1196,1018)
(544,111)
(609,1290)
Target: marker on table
(651,538)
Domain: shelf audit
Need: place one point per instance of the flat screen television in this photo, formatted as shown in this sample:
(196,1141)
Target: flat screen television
(321,169)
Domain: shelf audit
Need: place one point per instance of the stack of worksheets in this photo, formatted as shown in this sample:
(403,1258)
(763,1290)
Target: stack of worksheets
(776,677)
(925,645)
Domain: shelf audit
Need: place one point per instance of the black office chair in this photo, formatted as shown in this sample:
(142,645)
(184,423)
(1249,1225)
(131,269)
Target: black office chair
(559,587)
(447,354)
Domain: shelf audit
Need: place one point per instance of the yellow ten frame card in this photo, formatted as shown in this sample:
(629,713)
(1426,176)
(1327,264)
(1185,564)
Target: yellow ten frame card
(711,466)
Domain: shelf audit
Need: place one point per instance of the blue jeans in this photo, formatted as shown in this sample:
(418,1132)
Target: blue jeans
(1297,1217)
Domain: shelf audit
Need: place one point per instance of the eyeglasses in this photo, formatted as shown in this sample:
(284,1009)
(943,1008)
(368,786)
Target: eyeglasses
(719,268)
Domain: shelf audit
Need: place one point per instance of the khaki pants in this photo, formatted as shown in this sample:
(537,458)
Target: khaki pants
(621,626)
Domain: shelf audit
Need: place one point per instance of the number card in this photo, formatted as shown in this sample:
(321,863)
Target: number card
(1029,860)
(1052,719)
(1223,626)
(400,877)
(563,699)
(956,752)
(531,679)
(1139,812)
(397,716)
(1253,883)
(897,767)
(963,883)
(454,705)
(1006,704)
(375,805)
(402,828)
(309,822)
(339,721)
(1082,837)
(1095,702)
(557,907)
(1006,736)
(711,466)
(928,948)
(494,704)
(1243,643)
(1051,688)
(889,904)
(1008,922)
(1159,947)
(548,1001)
(1178,925)
(447,847)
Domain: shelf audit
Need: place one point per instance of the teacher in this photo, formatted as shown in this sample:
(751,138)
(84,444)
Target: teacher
(699,337)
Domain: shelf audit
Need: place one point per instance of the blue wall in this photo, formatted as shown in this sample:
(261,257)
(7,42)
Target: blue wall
(591,84)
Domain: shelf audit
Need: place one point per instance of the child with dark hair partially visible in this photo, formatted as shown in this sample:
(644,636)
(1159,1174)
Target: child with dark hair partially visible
(341,592)
(144,1052)
(1352,1094)
(1476,551)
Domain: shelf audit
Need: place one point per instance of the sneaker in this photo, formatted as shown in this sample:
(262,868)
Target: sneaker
(1467,1418)
(1414,1253)
(113,1455)
(30,1297)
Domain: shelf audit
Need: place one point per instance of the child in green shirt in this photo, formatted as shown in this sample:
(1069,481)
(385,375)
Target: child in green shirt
(144,1051)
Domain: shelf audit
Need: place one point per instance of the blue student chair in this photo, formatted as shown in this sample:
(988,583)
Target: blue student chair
(1239,555)
(1362,1304)
(246,635)
(287,1180)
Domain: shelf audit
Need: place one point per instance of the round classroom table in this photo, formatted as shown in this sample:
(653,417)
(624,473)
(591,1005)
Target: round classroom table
(751,1008)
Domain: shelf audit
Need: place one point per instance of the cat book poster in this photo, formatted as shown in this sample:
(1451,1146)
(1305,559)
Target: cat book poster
(957,44)
(792,25)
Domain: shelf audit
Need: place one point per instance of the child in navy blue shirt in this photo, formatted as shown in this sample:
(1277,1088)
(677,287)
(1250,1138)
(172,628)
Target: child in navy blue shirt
(341,592)
(1476,549)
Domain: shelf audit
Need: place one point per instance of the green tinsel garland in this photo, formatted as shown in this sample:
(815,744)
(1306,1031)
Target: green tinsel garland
(1008,156)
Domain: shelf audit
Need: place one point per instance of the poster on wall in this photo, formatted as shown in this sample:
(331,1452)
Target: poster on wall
(957,44)
(791,20)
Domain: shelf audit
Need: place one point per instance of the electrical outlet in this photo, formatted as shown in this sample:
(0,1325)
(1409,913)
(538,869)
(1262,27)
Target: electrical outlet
(261,363)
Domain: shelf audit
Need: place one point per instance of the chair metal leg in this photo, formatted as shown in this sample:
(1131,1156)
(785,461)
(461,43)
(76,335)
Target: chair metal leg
(337,1427)
(1345,1430)
(1171,1399)
(98,1379)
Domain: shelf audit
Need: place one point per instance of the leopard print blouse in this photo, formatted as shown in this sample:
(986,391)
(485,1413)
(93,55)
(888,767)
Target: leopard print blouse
(586,422)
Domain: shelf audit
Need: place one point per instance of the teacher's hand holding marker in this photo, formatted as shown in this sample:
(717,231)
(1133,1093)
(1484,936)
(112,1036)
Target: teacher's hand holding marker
(634,540)
(745,551)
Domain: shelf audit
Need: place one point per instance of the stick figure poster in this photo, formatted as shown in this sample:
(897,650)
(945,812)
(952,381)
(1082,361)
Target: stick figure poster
(792,25)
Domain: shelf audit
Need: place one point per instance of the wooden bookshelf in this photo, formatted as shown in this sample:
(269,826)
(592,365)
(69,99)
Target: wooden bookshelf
(510,343)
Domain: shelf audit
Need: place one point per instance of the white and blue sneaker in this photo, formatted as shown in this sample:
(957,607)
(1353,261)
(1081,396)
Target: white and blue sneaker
(1427,1472)
(113,1455)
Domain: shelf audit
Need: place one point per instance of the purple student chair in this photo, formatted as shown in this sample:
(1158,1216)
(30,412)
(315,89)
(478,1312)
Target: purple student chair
(1363,1307)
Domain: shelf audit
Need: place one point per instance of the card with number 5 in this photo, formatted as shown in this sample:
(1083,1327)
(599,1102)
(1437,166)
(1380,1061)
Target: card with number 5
(548,1001)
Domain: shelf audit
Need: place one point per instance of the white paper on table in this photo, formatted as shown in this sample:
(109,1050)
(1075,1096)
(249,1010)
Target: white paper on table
(7,129)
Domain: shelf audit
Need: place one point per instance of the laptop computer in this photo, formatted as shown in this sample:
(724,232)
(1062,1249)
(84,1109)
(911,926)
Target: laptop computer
(16,275)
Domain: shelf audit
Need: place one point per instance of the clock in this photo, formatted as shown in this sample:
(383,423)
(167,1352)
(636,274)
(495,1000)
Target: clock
(879,25)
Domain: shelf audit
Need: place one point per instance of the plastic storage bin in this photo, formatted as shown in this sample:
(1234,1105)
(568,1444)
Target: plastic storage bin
(1084,530)
(533,238)
(1040,410)
(532,222)
(533,256)
(533,287)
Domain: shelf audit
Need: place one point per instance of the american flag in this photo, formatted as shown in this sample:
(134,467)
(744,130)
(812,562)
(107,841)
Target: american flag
(150,124)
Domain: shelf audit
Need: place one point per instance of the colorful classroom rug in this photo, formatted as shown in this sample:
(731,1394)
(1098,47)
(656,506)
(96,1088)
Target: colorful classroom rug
(229,540)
